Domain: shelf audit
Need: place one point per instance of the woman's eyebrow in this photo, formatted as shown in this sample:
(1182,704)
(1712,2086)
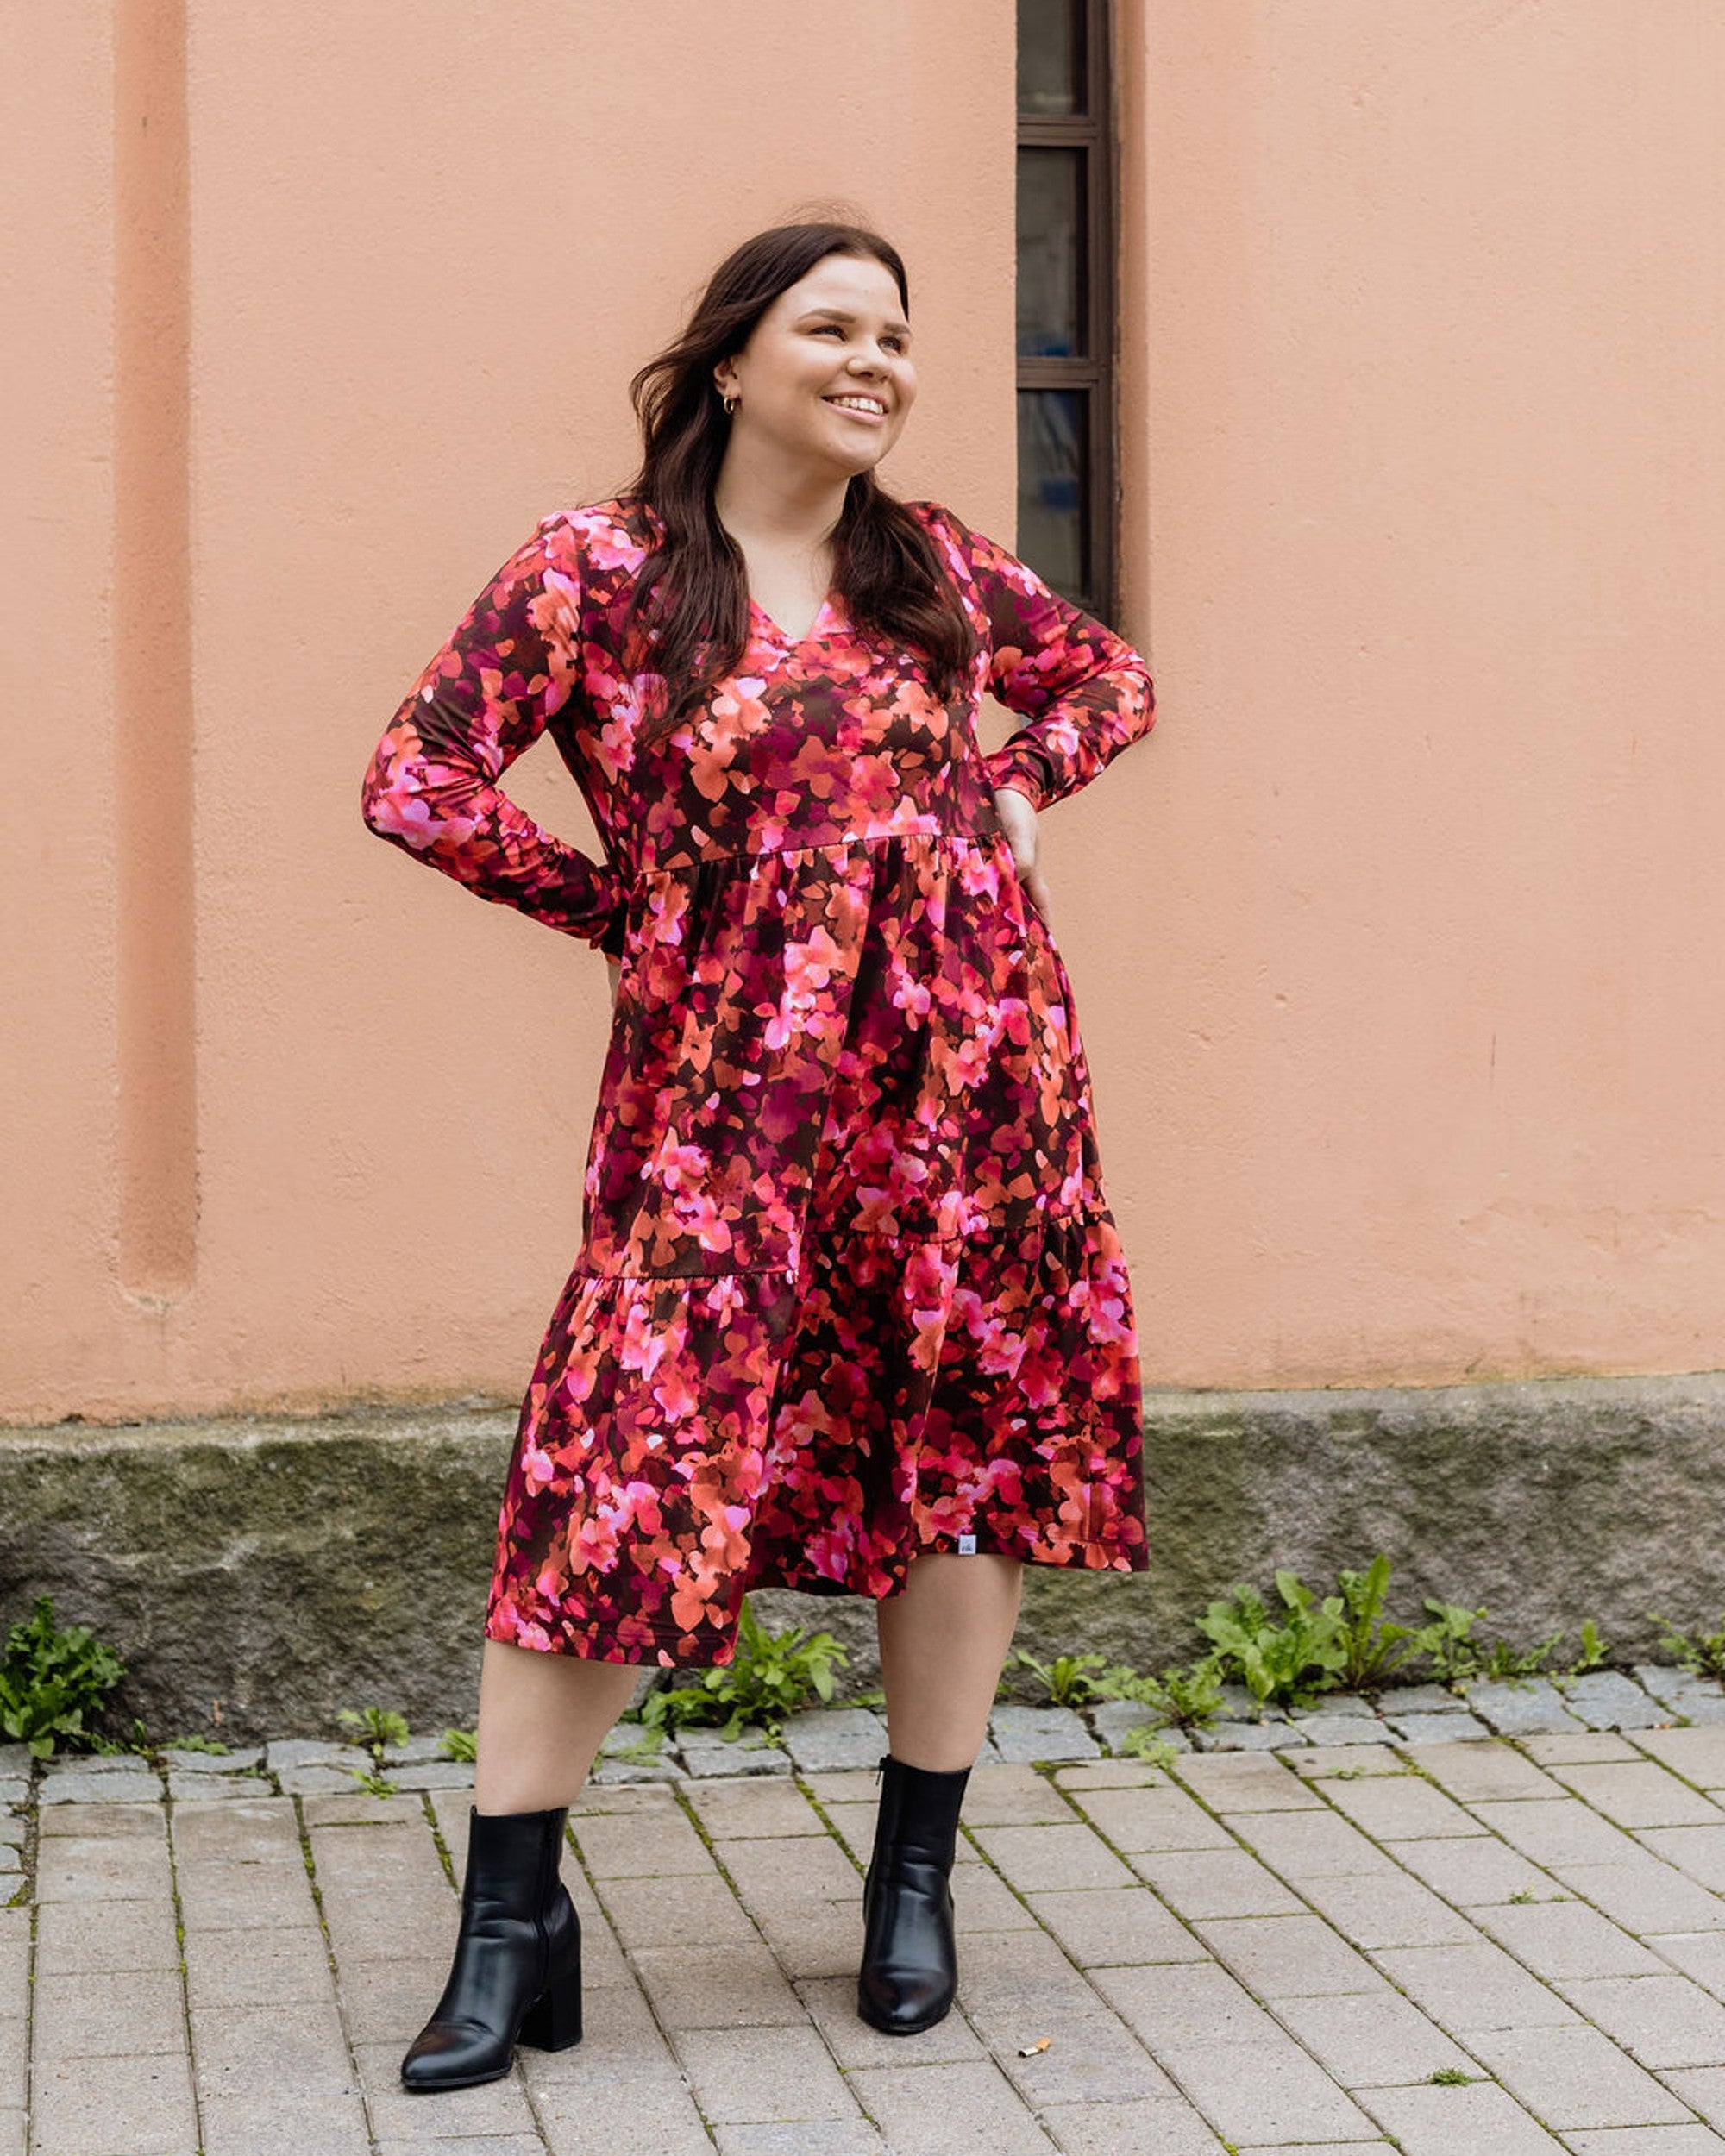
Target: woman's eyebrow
(839,314)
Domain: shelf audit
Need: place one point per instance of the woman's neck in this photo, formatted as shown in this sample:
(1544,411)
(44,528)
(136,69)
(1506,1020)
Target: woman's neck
(793,512)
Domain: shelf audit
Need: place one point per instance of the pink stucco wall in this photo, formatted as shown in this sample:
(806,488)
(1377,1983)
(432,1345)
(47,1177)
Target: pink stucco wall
(1395,952)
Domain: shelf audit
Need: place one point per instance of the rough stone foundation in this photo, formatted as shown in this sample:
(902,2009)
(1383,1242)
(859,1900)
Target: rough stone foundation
(259,1574)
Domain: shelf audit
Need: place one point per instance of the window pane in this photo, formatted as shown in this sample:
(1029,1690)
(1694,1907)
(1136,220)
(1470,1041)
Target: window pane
(1051,56)
(1054,467)
(1051,264)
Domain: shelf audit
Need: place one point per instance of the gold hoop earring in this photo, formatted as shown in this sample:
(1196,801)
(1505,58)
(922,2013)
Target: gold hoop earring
(730,404)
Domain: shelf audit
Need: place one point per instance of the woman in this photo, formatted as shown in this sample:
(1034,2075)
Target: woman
(850,1313)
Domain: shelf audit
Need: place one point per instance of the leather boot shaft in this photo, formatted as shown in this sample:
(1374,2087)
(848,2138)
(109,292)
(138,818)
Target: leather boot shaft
(515,1977)
(909,1976)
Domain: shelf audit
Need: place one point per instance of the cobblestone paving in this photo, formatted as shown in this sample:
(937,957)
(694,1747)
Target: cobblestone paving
(1453,1927)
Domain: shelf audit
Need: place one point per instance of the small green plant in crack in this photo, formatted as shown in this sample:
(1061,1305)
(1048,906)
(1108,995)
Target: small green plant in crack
(770,1676)
(212,1745)
(1283,1660)
(1523,1894)
(460,1745)
(54,1683)
(1459,1658)
(1452,2077)
(374,1727)
(1702,1651)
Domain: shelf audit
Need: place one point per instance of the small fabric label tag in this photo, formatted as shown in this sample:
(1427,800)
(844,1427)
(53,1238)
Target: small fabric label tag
(966,1546)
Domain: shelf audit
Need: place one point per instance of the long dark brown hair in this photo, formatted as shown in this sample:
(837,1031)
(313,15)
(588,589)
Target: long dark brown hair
(689,608)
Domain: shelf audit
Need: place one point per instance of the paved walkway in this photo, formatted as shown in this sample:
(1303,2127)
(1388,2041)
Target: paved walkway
(1468,1947)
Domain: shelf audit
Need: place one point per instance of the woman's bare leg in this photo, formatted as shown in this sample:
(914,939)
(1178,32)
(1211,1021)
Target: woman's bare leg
(943,1642)
(542,1718)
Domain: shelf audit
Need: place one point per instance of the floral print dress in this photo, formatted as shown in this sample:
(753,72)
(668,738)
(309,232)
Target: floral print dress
(849,1288)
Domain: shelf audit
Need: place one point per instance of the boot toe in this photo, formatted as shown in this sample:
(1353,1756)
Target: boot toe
(902,2005)
(453,2055)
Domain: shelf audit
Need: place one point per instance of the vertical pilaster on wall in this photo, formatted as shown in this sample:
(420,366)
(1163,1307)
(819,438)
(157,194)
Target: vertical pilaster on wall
(158,1116)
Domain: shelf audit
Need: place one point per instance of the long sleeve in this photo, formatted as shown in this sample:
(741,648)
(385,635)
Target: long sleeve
(486,697)
(1086,691)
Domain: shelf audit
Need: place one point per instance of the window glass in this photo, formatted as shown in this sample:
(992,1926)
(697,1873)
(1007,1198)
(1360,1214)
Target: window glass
(1054,461)
(1050,56)
(1052,229)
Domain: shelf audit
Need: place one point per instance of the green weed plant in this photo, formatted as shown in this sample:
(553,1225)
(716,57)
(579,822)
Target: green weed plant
(55,1683)
(770,1677)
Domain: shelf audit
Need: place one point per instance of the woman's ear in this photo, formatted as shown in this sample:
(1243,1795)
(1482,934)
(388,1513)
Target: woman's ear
(725,378)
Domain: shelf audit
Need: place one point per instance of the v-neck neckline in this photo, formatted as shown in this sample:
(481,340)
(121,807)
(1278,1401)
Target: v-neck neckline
(783,635)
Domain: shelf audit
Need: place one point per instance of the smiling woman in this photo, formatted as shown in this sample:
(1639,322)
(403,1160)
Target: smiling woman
(851,1312)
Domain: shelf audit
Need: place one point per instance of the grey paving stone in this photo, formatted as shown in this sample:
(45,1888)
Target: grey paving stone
(118,2015)
(1663,2022)
(197,1788)
(79,1936)
(751,1810)
(1419,1698)
(1043,1860)
(829,1738)
(805,2137)
(1569,2078)
(1703,1708)
(1473,1772)
(1473,1870)
(1246,1782)
(1670,1682)
(1524,1708)
(1698,1755)
(91,1762)
(284,2123)
(316,1781)
(288,1752)
(1169,2005)
(1269,2091)
(135,1786)
(1115,1926)
(830,2004)
(1115,1719)
(1556,1831)
(708,1757)
(1281,1958)
(741,2076)
(1561,1941)
(1239,1705)
(238,2049)
(1481,2119)
(1011,1794)
(15,1792)
(1161,1818)
(1606,1699)
(1436,1729)
(1344,1729)
(1347,1762)
(434,1774)
(1646,1897)
(212,1762)
(1577,1747)
(1375,1912)
(1171,2129)
(732,1986)
(1041,1732)
(1641,1794)
(134,2107)
(1399,1807)
(1091,2059)
(103,1868)
(288,1962)
(417,1751)
(1305,1845)
(1206,1882)
(1366,2040)
(11,1857)
(1703,2091)
(1462,1989)
(1265,1736)
(965,2109)
(16,1759)
(1645,2140)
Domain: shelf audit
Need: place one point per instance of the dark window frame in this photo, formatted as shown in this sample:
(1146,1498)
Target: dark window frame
(1093,134)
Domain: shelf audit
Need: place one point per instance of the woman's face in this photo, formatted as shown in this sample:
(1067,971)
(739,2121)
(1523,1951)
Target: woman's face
(826,377)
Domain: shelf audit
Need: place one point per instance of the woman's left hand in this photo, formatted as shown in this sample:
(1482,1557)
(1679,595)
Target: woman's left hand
(1018,819)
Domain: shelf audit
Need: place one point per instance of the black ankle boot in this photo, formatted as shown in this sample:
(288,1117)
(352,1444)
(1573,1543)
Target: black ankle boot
(517,1976)
(910,1965)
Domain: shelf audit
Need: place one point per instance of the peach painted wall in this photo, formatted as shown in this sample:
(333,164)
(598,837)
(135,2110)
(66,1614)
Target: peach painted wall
(1395,954)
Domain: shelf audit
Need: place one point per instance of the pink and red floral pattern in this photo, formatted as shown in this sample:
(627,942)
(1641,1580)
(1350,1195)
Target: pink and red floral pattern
(848,1287)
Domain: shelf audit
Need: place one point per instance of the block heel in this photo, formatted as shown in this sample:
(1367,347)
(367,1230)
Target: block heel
(553,2020)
